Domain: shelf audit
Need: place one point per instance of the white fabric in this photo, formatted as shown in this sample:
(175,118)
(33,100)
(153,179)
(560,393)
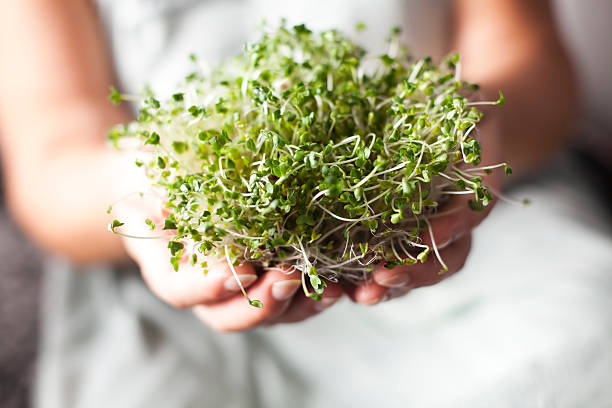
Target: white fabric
(527,323)
(151,39)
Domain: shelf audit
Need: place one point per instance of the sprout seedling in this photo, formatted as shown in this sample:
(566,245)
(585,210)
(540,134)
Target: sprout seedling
(305,151)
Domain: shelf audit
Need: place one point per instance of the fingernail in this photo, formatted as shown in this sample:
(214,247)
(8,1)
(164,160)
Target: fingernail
(396,281)
(285,289)
(325,303)
(231,285)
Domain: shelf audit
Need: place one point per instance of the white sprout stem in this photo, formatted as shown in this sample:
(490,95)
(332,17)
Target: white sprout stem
(366,178)
(231,266)
(348,219)
(481,103)
(496,166)
(505,198)
(123,234)
(435,246)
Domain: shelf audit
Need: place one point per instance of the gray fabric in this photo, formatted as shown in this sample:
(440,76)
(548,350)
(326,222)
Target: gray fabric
(19,297)
(586,29)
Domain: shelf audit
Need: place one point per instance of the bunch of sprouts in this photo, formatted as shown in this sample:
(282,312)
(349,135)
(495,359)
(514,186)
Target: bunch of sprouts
(306,152)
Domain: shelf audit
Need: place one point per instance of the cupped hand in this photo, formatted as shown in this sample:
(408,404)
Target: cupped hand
(450,231)
(215,297)
(452,236)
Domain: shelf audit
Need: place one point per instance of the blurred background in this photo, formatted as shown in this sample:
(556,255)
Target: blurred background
(585,29)
(20,268)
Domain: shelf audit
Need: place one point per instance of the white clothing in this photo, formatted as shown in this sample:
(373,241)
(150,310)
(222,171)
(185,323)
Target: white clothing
(526,324)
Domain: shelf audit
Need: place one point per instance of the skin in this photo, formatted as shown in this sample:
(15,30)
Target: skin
(60,175)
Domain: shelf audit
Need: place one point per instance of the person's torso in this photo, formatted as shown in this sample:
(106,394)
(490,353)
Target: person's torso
(152,39)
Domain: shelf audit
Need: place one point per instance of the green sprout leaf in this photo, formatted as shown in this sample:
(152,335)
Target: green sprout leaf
(175,247)
(115,224)
(364,248)
(502,100)
(422,256)
(115,96)
(361,26)
(174,261)
(153,139)
(255,303)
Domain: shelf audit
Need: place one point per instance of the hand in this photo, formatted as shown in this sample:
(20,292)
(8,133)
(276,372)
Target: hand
(453,238)
(216,297)
(452,234)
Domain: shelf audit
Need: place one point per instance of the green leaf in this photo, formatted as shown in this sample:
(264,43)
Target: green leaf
(179,147)
(422,256)
(154,103)
(314,296)
(169,224)
(395,218)
(317,284)
(305,219)
(150,223)
(363,248)
(115,224)
(502,100)
(175,247)
(115,96)
(314,236)
(475,205)
(174,261)
(301,30)
(256,303)
(153,139)
(361,26)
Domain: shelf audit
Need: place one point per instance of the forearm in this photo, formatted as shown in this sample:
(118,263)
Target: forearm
(54,113)
(521,55)
(58,190)
(68,217)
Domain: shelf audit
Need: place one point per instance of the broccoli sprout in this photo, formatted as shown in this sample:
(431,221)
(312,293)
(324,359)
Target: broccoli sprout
(307,152)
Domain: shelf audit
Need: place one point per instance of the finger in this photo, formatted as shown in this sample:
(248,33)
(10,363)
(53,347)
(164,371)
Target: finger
(367,293)
(275,289)
(189,285)
(455,217)
(303,307)
(393,293)
(427,273)
(456,220)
